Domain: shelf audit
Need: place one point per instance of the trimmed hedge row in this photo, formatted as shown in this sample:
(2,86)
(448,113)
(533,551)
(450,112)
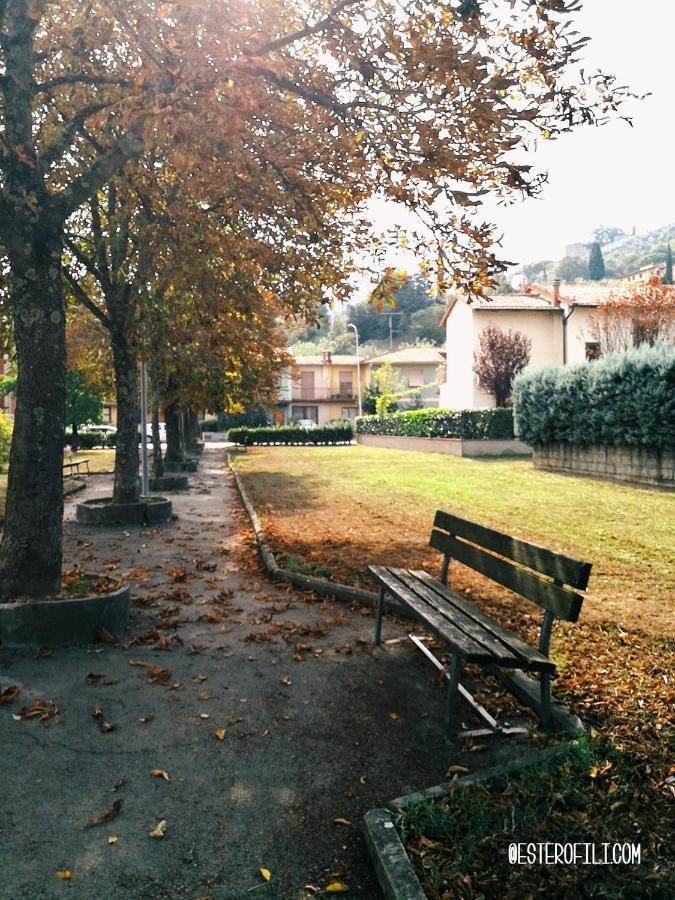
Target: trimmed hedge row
(469,424)
(625,398)
(87,440)
(326,434)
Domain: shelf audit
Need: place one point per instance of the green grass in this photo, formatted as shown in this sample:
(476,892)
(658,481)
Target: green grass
(626,532)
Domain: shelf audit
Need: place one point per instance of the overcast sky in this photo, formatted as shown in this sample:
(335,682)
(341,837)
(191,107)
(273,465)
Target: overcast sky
(614,175)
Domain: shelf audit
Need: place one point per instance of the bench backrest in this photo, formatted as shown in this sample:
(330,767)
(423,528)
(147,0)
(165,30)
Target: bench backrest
(535,573)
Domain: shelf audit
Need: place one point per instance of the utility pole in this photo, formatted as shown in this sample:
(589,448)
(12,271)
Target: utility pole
(358,366)
(391,337)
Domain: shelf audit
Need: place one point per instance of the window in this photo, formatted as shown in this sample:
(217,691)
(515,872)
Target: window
(305,412)
(416,378)
(346,388)
(348,412)
(593,350)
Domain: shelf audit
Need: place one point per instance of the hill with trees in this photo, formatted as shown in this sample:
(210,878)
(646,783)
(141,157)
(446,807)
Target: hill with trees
(622,253)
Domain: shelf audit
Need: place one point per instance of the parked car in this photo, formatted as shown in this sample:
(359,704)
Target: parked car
(104,429)
(148,428)
(306,423)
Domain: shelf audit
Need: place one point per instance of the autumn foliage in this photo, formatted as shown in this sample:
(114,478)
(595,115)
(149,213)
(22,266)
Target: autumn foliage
(501,355)
(643,315)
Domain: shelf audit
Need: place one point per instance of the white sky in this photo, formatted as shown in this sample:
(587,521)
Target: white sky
(614,175)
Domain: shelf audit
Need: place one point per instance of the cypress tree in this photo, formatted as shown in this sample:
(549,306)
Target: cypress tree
(668,274)
(596,264)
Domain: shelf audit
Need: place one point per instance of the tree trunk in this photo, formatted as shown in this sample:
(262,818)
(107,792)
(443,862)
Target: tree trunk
(157,461)
(126,489)
(174,446)
(32,541)
(193,430)
(75,438)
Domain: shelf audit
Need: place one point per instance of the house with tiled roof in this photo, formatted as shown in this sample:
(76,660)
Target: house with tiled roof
(318,388)
(556,319)
(420,370)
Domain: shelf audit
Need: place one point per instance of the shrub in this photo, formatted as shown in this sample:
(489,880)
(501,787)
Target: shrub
(209,425)
(5,439)
(470,424)
(327,434)
(624,398)
(87,440)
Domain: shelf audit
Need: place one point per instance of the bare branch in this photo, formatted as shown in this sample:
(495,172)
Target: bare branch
(80,78)
(324,24)
(83,298)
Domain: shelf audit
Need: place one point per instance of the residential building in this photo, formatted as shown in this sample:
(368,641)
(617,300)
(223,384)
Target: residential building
(556,319)
(646,272)
(421,370)
(319,388)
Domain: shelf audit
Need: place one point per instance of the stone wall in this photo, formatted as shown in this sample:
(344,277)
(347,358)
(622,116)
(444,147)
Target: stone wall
(637,465)
(450,446)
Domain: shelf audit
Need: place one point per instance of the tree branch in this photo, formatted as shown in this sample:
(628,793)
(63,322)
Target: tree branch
(128,147)
(79,78)
(324,24)
(83,298)
(58,147)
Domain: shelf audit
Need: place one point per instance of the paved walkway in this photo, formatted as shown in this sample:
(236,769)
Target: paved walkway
(276,720)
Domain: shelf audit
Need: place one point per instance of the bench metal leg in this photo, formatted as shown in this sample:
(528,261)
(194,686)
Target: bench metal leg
(453,691)
(545,688)
(379,610)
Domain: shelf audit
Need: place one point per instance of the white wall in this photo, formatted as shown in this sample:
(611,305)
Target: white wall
(458,390)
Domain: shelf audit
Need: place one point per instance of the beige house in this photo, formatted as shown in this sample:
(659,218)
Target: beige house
(319,388)
(420,369)
(646,272)
(557,319)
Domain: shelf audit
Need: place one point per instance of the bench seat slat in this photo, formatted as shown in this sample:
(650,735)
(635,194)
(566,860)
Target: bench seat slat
(565,604)
(459,642)
(536,661)
(555,565)
(504,654)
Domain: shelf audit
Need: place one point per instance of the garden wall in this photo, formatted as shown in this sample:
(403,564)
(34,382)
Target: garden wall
(451,446)
(638,465)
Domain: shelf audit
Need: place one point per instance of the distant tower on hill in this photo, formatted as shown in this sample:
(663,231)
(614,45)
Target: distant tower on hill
(576,251)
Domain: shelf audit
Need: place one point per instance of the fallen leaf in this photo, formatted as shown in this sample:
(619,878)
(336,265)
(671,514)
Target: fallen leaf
(159,830)
(118,784)
(106,816)
(336,887)
(198,679)
(10,693)
(204,716)
(113,839)
(44,709)
(160,773)
(220,734)
(266,874)
(285,680)
(105,636)
(342,821)
(105,727)
(97,712)
(394,715)
(204,695)
(145,719)
(156,675)
(98,678)
(65,875)
(458,770)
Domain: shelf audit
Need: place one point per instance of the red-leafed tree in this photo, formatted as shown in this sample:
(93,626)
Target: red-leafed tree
(501,355)
(643,315)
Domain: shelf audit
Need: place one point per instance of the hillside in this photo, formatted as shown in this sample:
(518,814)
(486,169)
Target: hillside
(621,256)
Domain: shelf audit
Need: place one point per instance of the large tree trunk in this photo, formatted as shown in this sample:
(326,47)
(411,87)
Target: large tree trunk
(126,489)
(31,551)
(174,443)
(157,460)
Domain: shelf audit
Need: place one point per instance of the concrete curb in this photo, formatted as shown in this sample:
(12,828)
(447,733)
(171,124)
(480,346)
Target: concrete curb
(393,868)
(64,623)
(304,582)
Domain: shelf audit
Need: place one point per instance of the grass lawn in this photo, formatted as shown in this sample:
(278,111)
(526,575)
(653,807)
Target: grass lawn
(345,507)
(99,461)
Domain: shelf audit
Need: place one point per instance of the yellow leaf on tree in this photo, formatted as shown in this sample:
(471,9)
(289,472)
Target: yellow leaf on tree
(266,874)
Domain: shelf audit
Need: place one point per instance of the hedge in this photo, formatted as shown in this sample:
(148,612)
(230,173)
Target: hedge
(470,424)
(326,434)
(623,399)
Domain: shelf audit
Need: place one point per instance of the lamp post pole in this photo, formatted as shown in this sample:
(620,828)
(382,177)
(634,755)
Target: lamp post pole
(358,366)
(145,487)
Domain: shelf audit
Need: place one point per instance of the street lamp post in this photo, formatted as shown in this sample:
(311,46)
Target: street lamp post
(358,365)
(145,483)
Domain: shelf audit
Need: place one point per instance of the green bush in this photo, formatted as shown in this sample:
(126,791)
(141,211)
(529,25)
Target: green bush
(87,440)
(624,398)
(209,425)
(5,439)
(291,434)
(470,424)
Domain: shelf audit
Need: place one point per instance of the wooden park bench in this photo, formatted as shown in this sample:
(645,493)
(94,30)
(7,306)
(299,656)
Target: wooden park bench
(73,466)
(548,579)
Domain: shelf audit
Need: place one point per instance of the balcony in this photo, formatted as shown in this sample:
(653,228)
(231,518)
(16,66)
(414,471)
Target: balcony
(308,394)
